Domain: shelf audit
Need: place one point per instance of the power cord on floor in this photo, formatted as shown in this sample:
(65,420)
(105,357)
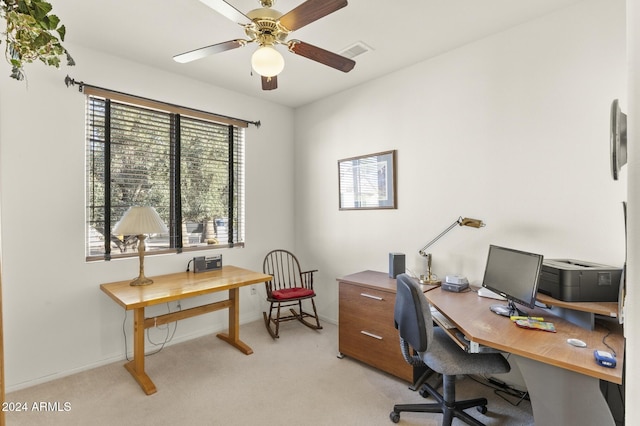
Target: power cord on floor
(503,390)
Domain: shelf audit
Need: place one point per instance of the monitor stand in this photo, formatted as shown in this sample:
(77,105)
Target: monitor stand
(507,310)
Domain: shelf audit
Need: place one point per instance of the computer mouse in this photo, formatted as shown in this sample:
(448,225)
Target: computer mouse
(577,342)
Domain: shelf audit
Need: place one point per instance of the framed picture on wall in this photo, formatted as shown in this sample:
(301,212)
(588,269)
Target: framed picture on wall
(368,181)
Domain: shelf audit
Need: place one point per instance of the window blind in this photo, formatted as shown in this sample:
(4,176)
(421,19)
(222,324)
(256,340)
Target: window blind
(189,168)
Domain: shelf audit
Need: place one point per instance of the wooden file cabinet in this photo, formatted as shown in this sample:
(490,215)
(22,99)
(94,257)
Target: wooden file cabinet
(366,330)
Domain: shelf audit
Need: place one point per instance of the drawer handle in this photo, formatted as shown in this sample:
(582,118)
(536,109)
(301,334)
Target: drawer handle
(371,297)
(366,333)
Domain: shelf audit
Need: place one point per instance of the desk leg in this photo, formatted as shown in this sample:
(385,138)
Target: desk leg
(563,397)
(136,366)
(233,337)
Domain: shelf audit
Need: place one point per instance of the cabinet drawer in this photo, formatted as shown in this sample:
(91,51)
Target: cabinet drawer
(382,352)
(367,306)
(366,329)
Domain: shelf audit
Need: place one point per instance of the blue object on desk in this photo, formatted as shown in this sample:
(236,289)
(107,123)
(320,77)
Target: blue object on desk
(605,359)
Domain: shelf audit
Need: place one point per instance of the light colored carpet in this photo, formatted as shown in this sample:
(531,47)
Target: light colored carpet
(296,379)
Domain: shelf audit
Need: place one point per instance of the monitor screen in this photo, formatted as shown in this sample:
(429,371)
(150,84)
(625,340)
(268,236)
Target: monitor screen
(513,274)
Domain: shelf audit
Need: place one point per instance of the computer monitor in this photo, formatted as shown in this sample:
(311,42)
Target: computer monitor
(514,275)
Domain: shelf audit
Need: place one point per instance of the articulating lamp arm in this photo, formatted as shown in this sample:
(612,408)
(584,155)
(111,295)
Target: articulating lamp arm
(461,221)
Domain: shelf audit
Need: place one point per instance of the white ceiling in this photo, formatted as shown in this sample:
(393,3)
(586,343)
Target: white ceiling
(401,33)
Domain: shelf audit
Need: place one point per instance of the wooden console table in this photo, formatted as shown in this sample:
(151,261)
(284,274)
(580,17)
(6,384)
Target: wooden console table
(172,287)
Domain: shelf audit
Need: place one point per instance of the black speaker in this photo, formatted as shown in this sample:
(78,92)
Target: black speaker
(396,264)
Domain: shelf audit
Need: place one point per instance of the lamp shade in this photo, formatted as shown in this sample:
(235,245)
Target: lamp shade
(267,61)
(140,220)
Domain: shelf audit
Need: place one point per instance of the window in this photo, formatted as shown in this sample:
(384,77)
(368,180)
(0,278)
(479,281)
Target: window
(190,168)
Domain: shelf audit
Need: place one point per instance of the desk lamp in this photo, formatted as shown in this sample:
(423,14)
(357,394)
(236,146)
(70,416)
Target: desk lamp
(140,220)
(461,221)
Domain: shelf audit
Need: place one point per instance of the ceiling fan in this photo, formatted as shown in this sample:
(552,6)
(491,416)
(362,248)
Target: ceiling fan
(268,27)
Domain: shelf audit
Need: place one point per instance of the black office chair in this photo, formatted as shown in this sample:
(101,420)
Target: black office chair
(421,343)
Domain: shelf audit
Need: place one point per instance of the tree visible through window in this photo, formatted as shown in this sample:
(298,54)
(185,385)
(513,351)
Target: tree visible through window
(190,169)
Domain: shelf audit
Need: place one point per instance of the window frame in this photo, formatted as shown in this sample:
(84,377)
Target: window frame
(235,204)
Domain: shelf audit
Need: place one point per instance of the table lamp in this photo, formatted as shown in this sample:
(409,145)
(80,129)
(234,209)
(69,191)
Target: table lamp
(140,220)
(461,221)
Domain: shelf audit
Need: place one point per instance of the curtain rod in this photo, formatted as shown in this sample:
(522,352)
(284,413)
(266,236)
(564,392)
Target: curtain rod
(68,81)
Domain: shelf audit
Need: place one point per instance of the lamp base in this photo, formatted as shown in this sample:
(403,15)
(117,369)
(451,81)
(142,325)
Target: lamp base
(424,279)
(141,280)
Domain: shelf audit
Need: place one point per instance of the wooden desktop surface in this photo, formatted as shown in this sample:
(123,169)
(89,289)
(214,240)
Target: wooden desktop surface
(473,318)
(376,280)
(181,285)
(609,309)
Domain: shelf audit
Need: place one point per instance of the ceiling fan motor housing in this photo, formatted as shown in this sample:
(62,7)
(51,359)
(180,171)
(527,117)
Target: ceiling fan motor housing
(265,28)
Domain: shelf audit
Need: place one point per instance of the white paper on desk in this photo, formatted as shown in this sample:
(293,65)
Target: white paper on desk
(485,292)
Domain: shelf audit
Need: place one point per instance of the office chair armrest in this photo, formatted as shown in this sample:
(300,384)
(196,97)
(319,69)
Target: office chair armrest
(414,359)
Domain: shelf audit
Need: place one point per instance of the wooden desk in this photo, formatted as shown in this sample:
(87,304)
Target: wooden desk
(172,287)
(563,380)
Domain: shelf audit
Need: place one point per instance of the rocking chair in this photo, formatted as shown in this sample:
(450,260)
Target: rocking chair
(289,287)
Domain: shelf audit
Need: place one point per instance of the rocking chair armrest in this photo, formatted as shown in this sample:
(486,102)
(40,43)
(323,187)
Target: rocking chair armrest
(307,278)
(269,285)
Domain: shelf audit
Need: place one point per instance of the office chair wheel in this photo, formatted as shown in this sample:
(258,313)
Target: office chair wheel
(482,409)
(395,417)
(423,393)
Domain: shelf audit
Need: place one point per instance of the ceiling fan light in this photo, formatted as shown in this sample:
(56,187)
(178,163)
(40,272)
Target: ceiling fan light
(267,61)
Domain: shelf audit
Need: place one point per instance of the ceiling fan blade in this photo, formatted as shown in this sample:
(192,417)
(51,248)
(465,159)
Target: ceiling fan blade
(228,11)
(209,50)
(309,11)
(320,55)
(269,83)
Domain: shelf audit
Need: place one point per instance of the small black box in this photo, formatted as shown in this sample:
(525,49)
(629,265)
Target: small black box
(201,263)
(456,288)
(396,264)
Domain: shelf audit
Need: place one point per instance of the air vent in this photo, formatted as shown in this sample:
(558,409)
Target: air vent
(355,49)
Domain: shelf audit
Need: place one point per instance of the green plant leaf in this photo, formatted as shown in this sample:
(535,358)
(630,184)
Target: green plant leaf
(53,21)
(32,33)
(40,9)
(62,31)
(17,73)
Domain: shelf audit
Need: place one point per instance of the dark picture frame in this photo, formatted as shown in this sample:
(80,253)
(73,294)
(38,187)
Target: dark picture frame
(368,182)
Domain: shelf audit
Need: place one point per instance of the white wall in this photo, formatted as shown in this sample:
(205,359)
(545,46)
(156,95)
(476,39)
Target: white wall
(56,319)
(632,311)
(512,129)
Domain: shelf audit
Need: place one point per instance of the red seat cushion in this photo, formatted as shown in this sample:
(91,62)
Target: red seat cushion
(292,293)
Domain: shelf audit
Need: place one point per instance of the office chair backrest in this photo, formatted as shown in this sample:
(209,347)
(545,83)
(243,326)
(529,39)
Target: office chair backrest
(409,314)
